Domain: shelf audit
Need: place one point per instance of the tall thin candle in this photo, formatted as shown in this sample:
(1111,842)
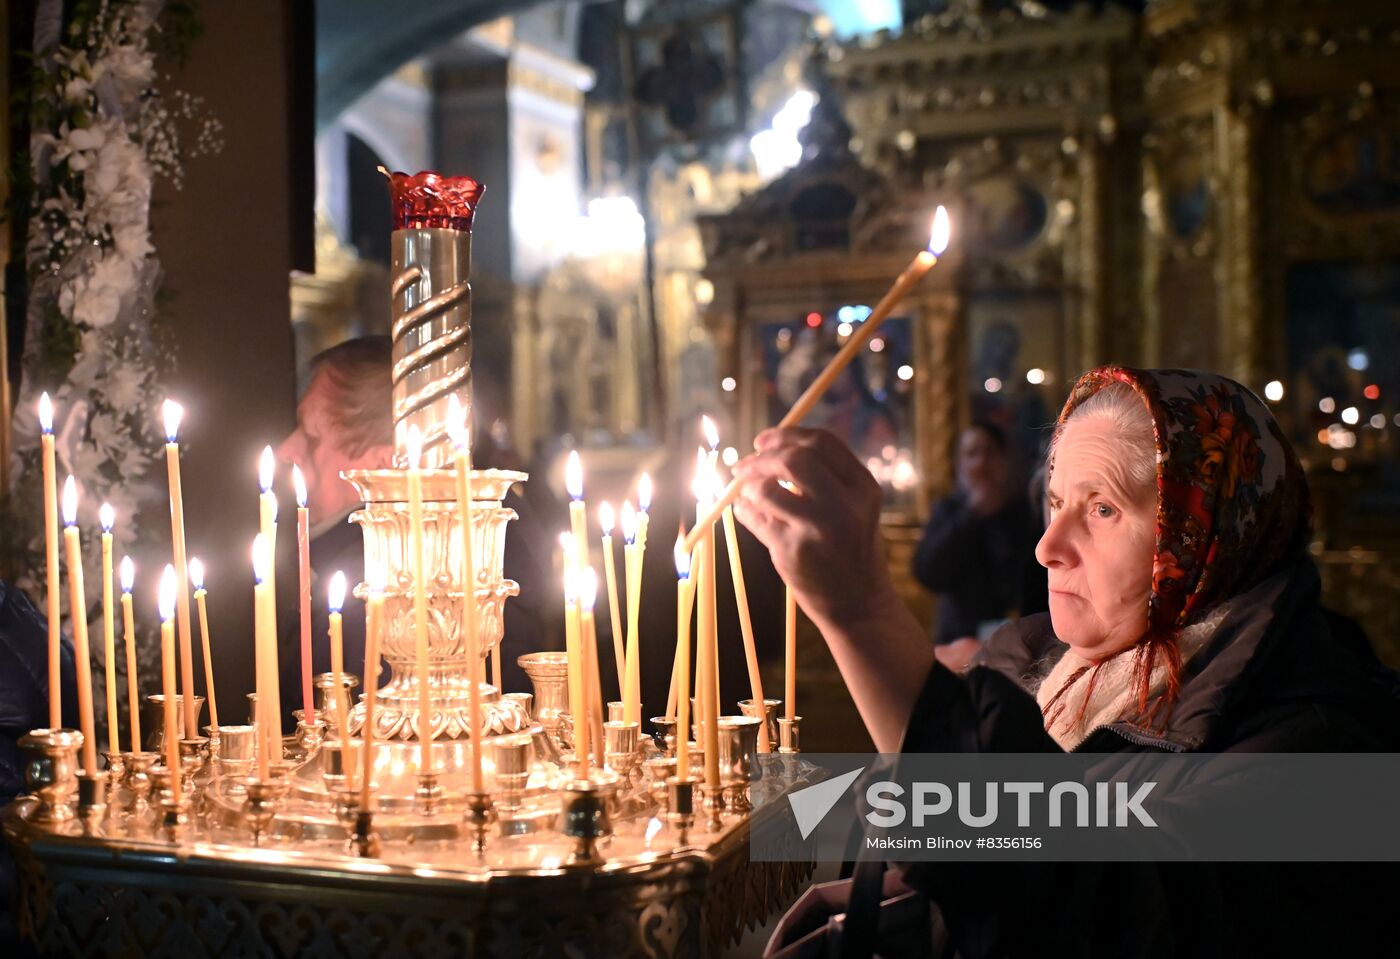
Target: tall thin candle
(202,608)
(789,653)
(574,652)
(460,435)
(682,671)
(578,511)
(644,491)
(706,650)
(631,564)
(420,599)
(374,623)
(608,521)
(741,600)
(55,614)
(335,600)
(166,603)
(107,517)
(133,696)
(77,606)
(267,527)
(308,703)
(264,649)
(173,413)
(588,638)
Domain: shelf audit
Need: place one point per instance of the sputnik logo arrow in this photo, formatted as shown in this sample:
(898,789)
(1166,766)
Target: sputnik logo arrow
(811,805)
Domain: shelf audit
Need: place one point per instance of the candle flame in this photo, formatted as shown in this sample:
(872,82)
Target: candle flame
(262,559)
(711,432)
(107,517)
(128,569)
(70,501)
(267,466)
(629,523)
(698,485)
(682,556)
(588,588)
(166,596)
(573,475)
(299,484)
(606,519)
(941,233)
(644,492)
(172,413)
(196,573)
(413,445)
(457,423)
(45,413)
(335,592)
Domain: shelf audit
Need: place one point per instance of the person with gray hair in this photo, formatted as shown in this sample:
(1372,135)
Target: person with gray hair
(1184,617)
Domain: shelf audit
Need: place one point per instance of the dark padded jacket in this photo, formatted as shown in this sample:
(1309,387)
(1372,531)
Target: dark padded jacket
(1280,674)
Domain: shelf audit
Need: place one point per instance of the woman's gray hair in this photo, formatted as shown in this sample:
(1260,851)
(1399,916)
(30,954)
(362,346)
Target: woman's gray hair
(1131,422)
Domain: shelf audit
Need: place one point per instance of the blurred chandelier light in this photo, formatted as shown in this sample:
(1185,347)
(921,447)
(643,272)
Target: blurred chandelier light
(777,149)
(613,225)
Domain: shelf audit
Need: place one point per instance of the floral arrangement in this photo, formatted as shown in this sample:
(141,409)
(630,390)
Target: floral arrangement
(102,131)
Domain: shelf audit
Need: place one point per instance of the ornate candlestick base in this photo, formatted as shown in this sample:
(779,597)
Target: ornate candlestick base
(116,771)
(138,780)
(92,801)
(263,798)
(665,733)
(479,817)
(364,841)
(174,817)
(769,714)
(712,805)
(788,740)
(194,758)
(620,748)
(51,770)
(237,754)
(660,770)
(584,819)
(512,756)
(681,808)
(310,736)
(429,796)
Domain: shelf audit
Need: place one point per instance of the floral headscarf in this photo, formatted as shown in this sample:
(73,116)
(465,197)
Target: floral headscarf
(1232,501)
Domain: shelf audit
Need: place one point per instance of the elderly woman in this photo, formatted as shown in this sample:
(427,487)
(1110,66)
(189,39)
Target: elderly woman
(1184,615)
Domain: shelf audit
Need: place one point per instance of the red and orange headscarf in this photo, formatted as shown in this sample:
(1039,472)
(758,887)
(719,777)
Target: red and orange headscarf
(1232,500)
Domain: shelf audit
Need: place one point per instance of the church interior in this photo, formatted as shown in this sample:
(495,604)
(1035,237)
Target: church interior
(689,210)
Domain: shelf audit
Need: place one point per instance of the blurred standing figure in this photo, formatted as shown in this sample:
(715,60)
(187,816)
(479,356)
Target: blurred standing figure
(975,539)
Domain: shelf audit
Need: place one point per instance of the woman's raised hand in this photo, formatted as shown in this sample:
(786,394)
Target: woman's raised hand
(817,509)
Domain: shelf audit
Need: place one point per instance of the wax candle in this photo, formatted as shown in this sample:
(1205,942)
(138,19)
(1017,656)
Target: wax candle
(133,696)
(55,614)
(308,702)
(335,600)
(706,655)
(574,653)
(644,491)
(267,527)
(420,599)
(685,598)
(107,517)
(857,342)
(264,648)
(741,600)
(578,516)
(632,692)
(460,435)
(77,606)
(608,521)
(201,607)
(588,637)
(789,653)
(166,603)
(374,624)
(681,675)
(173,413)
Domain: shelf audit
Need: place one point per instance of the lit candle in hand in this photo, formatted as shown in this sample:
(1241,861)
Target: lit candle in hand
(107,517)
(197,581)
(308,704)
(173,413)
(632,688)
(166,604)
(55,614)
(608,521)
(77,603)
(133,695)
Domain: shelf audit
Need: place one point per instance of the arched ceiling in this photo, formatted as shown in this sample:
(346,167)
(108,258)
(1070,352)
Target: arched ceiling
(358,42)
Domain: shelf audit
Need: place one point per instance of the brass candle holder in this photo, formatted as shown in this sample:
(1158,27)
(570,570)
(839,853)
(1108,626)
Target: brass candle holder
(138,781)
(50,771)
(768,713)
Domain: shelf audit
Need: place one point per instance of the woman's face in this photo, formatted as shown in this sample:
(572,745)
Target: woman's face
(1098,547)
